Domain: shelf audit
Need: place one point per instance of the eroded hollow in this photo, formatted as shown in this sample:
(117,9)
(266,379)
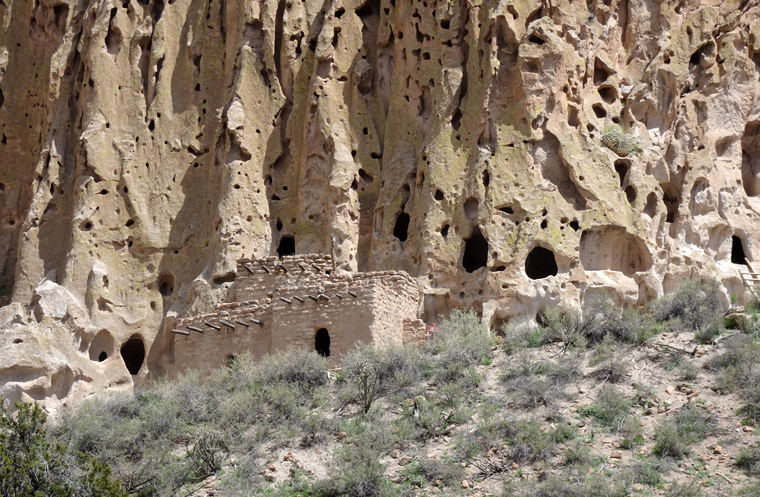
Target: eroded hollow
(475,251)
(133,354)
(166,284)
(540,263)
(612,248)
(401,228)
(101,346)
(287,246)
(737,250)
(322,342)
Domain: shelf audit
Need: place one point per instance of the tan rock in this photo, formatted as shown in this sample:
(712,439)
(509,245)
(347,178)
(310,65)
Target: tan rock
(543,165)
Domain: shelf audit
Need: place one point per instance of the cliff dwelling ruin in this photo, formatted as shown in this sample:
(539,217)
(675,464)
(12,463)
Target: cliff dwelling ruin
(301,302)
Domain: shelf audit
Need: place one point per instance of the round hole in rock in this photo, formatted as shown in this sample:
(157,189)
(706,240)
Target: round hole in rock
(101,346)
(540,263)
(475,251)
(438,195)
(401,229)
(322,342)
(287,246)
(133,354)
(737,250)
(166,284)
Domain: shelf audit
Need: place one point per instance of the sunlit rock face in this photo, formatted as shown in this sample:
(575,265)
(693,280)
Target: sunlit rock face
(511,155)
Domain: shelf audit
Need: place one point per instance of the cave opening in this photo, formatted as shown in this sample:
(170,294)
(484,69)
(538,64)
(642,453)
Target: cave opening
(322,342)
(475,251)
(133,354)
(540,263)
(401,228)
(737,250)
(287,246)
(166,284)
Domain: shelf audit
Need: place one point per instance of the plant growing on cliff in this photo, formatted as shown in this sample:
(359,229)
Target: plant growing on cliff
(619,140)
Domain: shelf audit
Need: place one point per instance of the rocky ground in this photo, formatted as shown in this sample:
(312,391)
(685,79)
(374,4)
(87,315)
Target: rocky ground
(655,368)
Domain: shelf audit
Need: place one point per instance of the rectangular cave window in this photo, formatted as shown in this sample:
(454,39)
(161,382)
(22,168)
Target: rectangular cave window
(737,250)
(322,342)
(287,246)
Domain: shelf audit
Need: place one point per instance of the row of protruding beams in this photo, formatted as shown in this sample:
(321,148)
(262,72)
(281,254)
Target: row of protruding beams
(228,323)
(317,297)
(282,267)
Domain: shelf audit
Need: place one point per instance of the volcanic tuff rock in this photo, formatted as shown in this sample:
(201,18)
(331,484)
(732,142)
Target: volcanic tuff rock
(482,146)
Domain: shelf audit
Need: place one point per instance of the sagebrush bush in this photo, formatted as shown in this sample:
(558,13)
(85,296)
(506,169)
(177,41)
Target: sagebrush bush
(558,486)
(447,472)
(674,436)
(629,325)
(749,460)
(611,408)
(531,383)
(463,342)
(572,328)
(699,305)
(690,489)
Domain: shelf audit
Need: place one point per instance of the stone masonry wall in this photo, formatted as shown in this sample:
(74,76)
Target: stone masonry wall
(378,307)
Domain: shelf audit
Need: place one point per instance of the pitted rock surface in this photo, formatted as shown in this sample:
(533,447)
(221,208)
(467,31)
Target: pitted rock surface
(510,155)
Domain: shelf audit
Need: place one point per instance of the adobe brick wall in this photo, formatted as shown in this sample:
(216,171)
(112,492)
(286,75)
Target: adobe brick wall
(294,298)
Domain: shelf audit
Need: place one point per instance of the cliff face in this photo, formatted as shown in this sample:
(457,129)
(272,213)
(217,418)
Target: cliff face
(511,155)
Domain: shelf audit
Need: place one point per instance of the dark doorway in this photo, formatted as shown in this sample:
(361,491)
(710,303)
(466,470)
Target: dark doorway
(322,342)
(737,250)
(401,229)
(540,264)
(287,246)
(133,353)
(475,252)
(102,357)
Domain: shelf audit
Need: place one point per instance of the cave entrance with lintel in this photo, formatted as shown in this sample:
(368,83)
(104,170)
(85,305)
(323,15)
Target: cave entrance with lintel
(322,342)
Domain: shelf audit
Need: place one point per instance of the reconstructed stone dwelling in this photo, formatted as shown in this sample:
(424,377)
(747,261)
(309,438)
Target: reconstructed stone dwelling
(300,302)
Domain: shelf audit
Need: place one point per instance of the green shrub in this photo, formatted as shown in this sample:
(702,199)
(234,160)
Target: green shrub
(520,335)
(358,470)
(611,408)
(32,466)
(674,436)
(619,140)
(447,472)
(531,383)
(690,489)
(647,472)
(559,486)
(629,325)
(749,460)
(529,443)
(463,342)
(699,305)
(572,328)
(304,368)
